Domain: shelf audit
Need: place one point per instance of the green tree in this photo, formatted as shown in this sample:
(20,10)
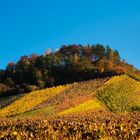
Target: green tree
(98,51)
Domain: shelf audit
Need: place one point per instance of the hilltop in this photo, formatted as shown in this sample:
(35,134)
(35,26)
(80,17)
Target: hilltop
(71,63)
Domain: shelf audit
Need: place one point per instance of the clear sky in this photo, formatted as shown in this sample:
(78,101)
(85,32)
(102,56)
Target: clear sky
(32,26)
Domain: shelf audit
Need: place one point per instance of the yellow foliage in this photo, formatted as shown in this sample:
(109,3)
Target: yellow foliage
(123,80)
(30,100)
(119,94)
(88,105)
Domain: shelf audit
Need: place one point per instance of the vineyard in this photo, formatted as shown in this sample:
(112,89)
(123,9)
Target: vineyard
(103,126)
(106,109)
(54,96)
(120,94)
(88,105)
(75,90)
(30,100)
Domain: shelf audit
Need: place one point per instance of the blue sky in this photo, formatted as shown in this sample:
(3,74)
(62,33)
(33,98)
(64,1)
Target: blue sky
(32,26)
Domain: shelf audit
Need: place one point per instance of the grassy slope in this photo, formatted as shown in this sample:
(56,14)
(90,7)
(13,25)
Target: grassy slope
(88,105)
(77,90)
(119,94)
(45,111)
(76,94)
(30,100)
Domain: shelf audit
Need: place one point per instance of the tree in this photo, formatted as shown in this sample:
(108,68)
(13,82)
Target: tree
(40,63)
(83,65)
(116,57)
(104,65)
(87,52)
(112,55)
(10,70)
(76,58)
(98,52)
(9,82)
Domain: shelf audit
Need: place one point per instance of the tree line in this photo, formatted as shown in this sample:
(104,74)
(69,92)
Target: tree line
(68,64)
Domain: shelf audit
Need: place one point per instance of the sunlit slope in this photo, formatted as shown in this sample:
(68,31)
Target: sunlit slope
(79,104)
(30,100)
(120,94)
(62,97)
(45,111)
(76,91)
(76,94)
(88,105)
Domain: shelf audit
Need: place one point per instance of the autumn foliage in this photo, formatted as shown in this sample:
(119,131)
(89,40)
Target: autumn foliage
(69,64)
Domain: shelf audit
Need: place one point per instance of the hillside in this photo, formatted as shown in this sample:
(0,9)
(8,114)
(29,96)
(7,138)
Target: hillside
(76,92)
(116,94)
(31,100)
(60,98)
(86,106)
(120,94)
(95,109)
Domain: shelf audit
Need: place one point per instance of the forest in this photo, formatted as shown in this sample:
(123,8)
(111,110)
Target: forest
(69,64)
